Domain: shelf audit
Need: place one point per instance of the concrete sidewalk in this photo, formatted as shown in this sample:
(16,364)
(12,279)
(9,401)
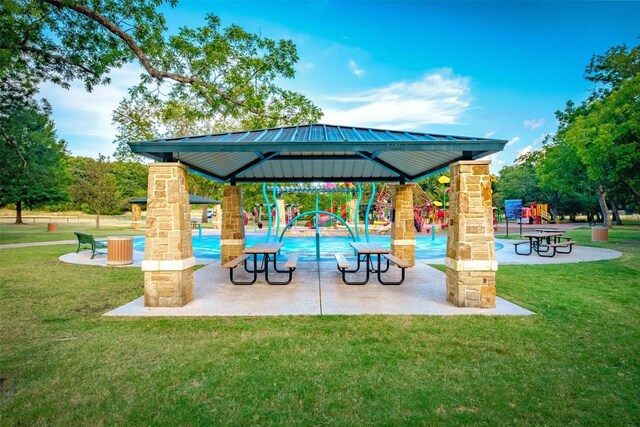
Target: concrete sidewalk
(317,289)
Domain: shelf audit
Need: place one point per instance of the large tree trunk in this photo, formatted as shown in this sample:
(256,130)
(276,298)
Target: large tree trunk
(204,214)
(616,214)
(602,200)
(19,212)
(553,209)
(97,220)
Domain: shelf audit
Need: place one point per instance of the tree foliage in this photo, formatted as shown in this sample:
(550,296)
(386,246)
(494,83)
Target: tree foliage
(595,154)
(215,71)
(32,159)
(94,187)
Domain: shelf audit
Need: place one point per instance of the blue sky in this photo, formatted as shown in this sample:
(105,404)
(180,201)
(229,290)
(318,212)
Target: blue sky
(494,69)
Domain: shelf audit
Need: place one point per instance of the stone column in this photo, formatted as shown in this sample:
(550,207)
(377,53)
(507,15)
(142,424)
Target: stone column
(353,210)
(403,236)
(471,256)
(283,214)
(217,217)
(232,240)
(136,216)
(168,254)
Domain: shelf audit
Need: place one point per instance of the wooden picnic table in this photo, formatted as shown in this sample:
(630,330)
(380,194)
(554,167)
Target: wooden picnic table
(269,253)
(365,253)
(537,240)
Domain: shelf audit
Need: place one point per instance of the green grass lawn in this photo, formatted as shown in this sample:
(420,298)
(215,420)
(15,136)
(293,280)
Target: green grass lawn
(577,361)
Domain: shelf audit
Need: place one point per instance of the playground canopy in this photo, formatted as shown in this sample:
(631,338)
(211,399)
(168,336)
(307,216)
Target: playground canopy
(317,152)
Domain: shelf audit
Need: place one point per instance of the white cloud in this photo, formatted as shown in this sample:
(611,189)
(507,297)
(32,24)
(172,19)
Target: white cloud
(533,124)
(357,71)
(307,66)
(489,134)
(84,118)
(439,97)
(526,150)
(513,141)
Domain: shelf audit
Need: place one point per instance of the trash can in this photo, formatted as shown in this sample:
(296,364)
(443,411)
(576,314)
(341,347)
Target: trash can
(120,250)
(51,227)
(599,234)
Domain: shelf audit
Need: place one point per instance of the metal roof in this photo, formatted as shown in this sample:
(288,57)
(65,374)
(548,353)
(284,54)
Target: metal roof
(318,152)
(193,200)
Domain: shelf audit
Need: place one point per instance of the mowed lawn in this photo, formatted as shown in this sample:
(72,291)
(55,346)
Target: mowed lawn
(577,361)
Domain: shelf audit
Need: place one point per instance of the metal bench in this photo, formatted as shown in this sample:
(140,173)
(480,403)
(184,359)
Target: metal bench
(88,240)
(515,244)
(555,250)
(400,263)
(231,265)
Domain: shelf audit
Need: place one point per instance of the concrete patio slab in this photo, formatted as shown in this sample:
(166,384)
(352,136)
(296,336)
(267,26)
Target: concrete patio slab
(317,288)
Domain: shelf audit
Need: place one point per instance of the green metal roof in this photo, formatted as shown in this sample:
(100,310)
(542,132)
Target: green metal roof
(318,152)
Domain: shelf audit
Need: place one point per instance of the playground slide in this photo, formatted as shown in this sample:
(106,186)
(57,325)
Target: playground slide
(323,219)
(384,228)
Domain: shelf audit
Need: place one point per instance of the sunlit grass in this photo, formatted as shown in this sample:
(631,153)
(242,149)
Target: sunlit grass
(577,361)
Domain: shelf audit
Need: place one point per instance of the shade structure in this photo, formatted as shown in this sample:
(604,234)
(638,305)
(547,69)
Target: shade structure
(193,200)
(317,152)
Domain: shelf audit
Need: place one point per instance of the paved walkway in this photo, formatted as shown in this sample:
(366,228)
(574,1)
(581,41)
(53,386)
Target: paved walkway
(317,289)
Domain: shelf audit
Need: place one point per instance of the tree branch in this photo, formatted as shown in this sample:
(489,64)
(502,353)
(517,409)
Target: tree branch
(54,56)
(144,60)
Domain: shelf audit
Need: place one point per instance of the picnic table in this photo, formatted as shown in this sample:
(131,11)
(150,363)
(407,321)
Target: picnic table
(365,253)
(540,243)
(269,253)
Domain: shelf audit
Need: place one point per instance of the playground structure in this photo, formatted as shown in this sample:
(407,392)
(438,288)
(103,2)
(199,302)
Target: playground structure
(427,213)
(342,216)
(536,213)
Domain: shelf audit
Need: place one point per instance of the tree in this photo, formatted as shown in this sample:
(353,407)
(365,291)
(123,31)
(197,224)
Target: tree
(223,71)
(605,129)
(94,186)
(130,179)
(32,160)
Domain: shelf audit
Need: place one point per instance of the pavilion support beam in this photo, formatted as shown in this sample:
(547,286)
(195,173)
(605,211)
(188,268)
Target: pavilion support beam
(136,216)
(232,240)
(471,256)
(283,214)
(403,236)
(168,253)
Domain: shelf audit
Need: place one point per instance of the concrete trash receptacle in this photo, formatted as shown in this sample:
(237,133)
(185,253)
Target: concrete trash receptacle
(599,234)
(52,227)
(120,250)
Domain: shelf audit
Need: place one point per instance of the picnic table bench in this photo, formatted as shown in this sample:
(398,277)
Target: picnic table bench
(364,253)
(85,240)
(269,253)
(542,244)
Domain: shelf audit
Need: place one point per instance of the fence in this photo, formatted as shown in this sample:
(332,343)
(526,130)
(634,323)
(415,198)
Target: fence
(75,219)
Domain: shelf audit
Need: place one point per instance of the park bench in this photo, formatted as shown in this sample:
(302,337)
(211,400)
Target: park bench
(555,246)
(342,262)
(88,240)
(516,244)
(400,263)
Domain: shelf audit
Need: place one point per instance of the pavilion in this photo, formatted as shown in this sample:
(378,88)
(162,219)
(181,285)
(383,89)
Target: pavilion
(311,153)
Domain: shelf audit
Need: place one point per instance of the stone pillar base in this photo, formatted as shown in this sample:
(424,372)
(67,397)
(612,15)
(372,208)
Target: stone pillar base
(471,288)
(403,237)
(168,288)
(232,240)
(405,250)
(471,259)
